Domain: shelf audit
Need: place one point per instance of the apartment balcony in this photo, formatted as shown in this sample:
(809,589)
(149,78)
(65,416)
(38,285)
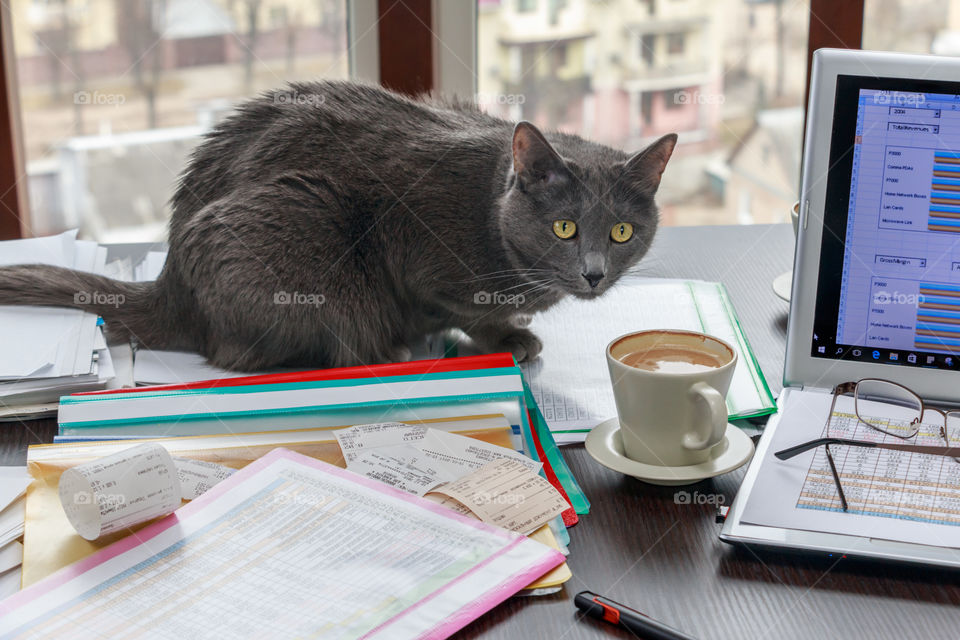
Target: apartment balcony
(545,36)
(679,74)
(552,101)
(548,87)
(662,25)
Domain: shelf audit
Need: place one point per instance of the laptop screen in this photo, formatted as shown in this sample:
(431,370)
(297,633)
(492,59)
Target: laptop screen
(889,280)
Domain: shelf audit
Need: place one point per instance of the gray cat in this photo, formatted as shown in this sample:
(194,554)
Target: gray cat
(335,223)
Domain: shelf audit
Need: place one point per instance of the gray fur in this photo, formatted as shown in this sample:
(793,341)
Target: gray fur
(334,223)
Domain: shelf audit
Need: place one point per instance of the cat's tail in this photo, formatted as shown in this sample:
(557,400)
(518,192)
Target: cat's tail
(131,310)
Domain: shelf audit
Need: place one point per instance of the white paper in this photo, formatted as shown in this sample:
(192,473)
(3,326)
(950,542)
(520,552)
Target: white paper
(358,439)
(11,556)
(120,490)
(505,493)
(9,582)
(13,484)
(11,521)
(150,267)
(175,367)
(457,453)
(469,453)
(47,341)
(417,460)
(403,467)
(198,476)
(920,493)
(50,351)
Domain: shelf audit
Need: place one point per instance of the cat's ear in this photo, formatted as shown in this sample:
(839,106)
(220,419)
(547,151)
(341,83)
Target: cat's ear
(534,160)
(644,169)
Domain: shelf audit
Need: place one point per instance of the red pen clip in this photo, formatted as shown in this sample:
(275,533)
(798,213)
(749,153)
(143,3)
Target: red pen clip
(610,614)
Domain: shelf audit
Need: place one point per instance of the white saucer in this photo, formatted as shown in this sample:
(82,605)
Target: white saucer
(783,284)
(604,445)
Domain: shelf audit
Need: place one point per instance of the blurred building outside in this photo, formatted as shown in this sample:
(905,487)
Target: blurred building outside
(115,93)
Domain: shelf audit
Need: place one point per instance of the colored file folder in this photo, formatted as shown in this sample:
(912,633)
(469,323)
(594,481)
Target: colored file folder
(488,384)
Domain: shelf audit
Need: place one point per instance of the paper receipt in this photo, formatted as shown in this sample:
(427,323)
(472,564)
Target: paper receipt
(507,494)
(468,453)
(404,468)
(448,449)
(198,476)
(132,486)
(354,441)
(120,490)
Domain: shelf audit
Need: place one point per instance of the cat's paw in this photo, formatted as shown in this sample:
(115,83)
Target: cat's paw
(523,344)
(522,320)
(400,353)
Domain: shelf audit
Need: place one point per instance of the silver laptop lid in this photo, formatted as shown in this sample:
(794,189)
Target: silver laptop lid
(877,271)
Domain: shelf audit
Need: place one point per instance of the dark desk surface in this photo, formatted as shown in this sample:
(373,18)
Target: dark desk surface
(640,547)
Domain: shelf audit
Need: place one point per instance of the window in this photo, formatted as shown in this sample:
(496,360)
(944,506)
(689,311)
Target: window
(114,94)
(675,43)
(526,6)
(647,44)
(646,108)
(915,26)
(676,99)
(728,77)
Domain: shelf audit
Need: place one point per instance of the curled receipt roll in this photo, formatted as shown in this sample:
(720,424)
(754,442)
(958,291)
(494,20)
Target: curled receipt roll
(120,490)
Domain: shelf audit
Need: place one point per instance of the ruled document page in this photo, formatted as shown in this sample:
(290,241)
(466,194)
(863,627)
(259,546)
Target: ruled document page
(287,547)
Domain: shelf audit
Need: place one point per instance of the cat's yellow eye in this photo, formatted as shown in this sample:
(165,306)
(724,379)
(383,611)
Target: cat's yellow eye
(565,228)
(621,232)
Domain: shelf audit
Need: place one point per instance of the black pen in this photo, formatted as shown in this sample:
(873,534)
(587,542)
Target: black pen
(630,619)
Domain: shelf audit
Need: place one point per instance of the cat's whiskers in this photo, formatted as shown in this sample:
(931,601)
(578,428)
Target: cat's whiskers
(534,284)
(545,293)
(505,273)
(541,286)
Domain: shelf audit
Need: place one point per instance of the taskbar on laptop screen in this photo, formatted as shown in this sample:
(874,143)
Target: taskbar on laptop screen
(910,358)
(889,278)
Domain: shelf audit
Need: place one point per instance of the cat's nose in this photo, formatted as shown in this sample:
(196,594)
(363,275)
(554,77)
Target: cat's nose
(592,268)
(593,278)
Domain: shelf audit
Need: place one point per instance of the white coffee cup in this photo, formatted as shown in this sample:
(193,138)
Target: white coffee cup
(670,401)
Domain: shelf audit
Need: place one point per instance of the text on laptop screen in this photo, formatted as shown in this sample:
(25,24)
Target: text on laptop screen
(889,288)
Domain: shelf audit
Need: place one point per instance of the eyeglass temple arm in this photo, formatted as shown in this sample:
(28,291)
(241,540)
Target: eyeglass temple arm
(786,454)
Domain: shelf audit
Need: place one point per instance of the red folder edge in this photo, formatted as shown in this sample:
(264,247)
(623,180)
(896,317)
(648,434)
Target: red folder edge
(569,516)
(414,367)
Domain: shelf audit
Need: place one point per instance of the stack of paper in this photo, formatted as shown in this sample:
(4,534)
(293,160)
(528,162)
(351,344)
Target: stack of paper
(150,267)
(13,485)
(49,351)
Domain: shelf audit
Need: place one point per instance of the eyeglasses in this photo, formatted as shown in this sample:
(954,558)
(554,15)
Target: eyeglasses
(905,410)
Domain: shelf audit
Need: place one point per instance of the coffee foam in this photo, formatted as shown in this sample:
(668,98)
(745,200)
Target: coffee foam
(671,358)
(671,351)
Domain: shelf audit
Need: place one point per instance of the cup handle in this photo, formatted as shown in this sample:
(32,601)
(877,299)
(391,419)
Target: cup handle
(711,430)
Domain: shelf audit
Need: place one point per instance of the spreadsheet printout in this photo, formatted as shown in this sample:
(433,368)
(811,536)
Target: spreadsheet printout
(892,495)
(287,547)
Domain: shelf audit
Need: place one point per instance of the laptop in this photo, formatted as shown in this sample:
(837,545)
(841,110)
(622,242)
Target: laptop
(876,294)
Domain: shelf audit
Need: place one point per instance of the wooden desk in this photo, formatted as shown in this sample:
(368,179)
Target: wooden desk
(639,546)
